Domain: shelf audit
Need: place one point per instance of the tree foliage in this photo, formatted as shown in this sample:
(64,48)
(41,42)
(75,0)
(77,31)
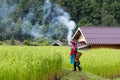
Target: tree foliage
(83,12)
(92,12)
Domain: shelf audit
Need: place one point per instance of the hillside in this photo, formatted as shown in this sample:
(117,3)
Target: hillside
(54,19)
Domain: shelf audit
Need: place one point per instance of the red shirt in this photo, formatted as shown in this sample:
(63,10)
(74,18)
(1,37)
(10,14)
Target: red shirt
(72,51)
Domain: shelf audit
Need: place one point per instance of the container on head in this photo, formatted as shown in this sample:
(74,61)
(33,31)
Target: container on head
(73,42)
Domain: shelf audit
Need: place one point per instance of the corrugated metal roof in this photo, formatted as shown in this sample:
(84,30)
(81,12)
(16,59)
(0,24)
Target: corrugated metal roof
(101,35)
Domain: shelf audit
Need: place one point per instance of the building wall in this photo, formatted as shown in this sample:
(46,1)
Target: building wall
(81,38)
(105,46)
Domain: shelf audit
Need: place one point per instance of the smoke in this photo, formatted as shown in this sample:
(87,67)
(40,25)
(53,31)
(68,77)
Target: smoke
(53,22)
(46,10)
(58,16)
(7,25)
(36,31)
(27,22)
(6,10)
(70,24)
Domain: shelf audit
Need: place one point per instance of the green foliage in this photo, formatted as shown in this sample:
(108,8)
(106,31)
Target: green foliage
(34,44)
(83,12)
(102,62)
(109,21)
(91,12)
(80,75)
(84,21)
(44,42)
(41,63)
(27,42)
(0,43)
(29,63)
(12,40)
(30,43)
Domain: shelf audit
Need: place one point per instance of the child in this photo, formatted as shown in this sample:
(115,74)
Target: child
(77,62)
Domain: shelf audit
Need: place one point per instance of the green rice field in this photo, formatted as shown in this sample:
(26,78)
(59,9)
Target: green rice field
(29,63)
(46,63)
(102,62)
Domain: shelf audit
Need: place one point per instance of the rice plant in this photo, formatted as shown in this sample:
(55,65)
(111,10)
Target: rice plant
(29,63)
(46,63)
(102,62)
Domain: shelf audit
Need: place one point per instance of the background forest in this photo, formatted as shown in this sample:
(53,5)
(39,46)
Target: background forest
(34,22)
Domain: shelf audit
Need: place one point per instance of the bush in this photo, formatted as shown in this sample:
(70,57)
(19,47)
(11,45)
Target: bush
(27,42)
(34,44)
(0,43)
(44,42)
(12,40)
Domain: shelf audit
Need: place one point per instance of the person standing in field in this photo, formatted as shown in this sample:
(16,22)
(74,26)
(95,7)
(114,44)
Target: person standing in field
(73,53)
(77,62)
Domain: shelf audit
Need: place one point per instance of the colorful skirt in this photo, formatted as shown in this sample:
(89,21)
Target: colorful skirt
(72,59)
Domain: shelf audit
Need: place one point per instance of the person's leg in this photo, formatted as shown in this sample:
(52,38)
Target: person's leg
(74,66)
(79,67)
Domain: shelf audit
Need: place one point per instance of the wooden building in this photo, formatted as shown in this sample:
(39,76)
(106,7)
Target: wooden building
(57,43)
(97,37)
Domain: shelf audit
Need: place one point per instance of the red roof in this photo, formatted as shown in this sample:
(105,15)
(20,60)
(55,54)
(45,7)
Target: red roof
(101,35)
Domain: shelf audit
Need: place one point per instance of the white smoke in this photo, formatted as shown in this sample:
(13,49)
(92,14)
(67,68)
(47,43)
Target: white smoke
(8,25)
(70,24)
(59,16)
(26,27)
(53,15)
(30,16)
(56,15)
(36,31)
(6,10)
(46,10)
(26,24)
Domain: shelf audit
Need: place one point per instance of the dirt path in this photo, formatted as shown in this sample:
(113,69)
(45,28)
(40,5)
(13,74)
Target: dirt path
(78,75)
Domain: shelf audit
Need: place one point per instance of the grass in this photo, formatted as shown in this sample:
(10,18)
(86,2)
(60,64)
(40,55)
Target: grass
(46,63)
(101,62)
(71,75)
(29,63)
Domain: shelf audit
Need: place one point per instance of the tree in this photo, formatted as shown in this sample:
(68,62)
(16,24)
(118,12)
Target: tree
(109,21)
(12,40)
